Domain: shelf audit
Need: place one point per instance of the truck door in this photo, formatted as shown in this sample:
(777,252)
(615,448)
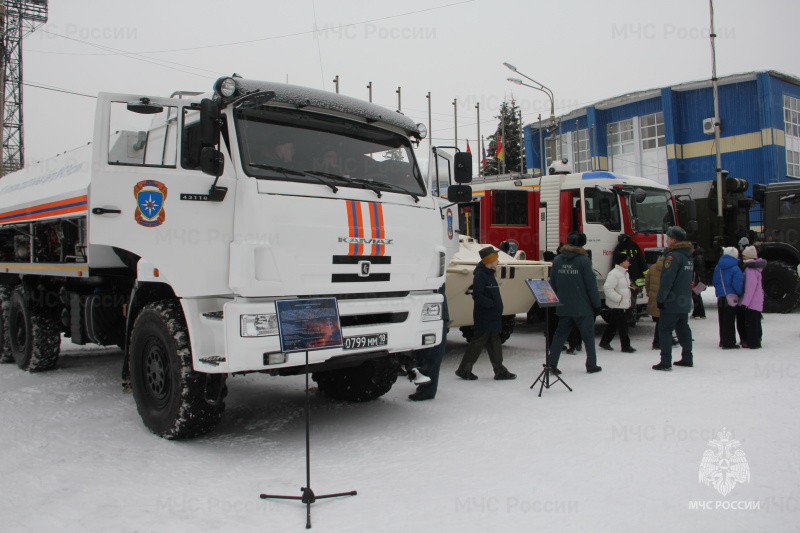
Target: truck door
(149,197)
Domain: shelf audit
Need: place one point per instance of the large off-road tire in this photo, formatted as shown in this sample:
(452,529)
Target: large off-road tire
(170,396)
(467,332)
(34,340)
(781,286)
(5,347)
(370,380)
(508,325)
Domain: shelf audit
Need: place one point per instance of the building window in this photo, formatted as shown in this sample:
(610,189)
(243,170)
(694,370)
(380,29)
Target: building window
(652,131)
(620,137)
(791,118)
(580,152)
(548,148)
(574,146)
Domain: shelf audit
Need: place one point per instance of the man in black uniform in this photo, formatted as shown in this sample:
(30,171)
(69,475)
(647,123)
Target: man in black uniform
(674,299)
(573,280)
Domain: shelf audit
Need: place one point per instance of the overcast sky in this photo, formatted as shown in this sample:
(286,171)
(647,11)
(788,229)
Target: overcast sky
(583,50)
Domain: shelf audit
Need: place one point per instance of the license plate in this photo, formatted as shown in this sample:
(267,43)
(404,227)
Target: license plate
(365,341)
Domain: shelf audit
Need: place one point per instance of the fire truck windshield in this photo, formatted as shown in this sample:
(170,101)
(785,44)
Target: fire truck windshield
(655,211)
(294,145)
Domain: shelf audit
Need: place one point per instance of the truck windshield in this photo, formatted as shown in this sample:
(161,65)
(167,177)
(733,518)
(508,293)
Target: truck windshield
(655,212)
(293,145)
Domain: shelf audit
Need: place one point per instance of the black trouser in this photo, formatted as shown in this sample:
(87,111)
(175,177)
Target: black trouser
(753,327)
(727,323)
(617,322)
(656,342)
(699,308)
(741,323)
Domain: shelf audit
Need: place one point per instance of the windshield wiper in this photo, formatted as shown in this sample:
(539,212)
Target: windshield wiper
(285,171)
(368,184)
(414,195)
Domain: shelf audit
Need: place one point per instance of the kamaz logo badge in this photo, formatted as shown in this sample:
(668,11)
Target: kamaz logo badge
(363,240)
(363,269)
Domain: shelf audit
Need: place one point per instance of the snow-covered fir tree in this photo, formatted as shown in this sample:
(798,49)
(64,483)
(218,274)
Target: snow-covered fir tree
(509,122)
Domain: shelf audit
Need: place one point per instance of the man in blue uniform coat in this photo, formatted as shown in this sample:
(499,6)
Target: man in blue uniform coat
(674,299)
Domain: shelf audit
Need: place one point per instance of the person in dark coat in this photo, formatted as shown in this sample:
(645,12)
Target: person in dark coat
(674,299)
(574,339)
(429,360)
(699,262)
(575,284)
(487,315)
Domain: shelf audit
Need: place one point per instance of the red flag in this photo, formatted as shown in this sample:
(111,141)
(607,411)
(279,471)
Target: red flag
(483,147)
(468,150)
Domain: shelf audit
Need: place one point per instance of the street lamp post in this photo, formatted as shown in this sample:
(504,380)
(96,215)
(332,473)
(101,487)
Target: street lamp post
(546,90)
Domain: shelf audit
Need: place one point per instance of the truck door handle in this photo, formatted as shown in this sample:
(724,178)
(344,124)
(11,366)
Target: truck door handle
(103,211)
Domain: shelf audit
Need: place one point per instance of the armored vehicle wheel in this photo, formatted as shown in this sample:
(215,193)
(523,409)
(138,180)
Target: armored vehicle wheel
(368,381)
(170,396)
(5,347)
(509,323)
(781,287)
(34,340)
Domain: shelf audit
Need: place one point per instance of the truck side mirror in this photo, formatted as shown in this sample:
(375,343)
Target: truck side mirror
(209,122)
(459,193)
(758,192)
(462,163)
(211,161)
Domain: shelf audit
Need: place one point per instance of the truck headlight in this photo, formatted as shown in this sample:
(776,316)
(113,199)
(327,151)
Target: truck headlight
(431,312)
(258,325)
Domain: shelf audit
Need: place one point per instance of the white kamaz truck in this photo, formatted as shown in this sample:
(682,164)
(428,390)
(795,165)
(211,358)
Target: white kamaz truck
(174,233)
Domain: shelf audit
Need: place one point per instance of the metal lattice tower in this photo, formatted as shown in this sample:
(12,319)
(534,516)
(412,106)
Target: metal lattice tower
(17,18)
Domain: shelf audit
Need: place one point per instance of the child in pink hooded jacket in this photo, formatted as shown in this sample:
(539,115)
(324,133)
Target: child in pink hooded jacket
(752,301)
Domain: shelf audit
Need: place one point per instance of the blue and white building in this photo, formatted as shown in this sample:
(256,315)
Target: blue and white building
(664,134)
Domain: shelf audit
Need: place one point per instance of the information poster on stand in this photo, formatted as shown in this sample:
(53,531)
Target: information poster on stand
(543,292)
(311,324)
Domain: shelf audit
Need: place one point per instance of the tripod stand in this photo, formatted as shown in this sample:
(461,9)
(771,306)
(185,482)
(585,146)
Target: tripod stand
(308,497)
(544,377)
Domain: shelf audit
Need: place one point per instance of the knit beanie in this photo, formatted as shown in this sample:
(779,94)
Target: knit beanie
(750,252)
(731,251)
(488,255)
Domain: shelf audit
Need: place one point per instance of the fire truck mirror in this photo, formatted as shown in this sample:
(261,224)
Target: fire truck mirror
(462,162)
(459,193)
(640,195)
(209,122)
(211,161)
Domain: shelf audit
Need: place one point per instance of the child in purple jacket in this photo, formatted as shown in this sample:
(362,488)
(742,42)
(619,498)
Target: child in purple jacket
(752,301)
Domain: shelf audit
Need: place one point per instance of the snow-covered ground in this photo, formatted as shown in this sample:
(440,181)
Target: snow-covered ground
(620,453)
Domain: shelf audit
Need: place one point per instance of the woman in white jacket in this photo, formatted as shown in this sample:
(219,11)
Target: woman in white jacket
(617,289)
